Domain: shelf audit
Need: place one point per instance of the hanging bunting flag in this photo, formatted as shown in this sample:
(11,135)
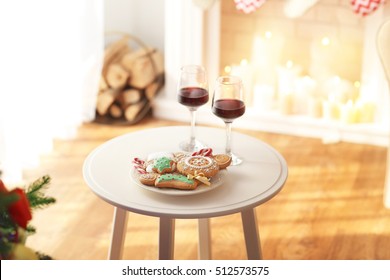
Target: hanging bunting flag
(365,7)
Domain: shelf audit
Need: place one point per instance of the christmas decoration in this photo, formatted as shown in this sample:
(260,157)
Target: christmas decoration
(248,6)
(365,7)
(297,8)
(15,212)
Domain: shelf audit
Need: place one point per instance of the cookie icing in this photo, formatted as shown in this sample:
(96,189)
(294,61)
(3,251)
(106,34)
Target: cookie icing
(149,168)
(162,163)
(198,162)
(174,177)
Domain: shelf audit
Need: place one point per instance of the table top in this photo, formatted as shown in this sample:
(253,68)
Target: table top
(107,171)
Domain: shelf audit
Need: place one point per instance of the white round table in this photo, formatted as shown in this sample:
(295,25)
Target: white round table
(107,171)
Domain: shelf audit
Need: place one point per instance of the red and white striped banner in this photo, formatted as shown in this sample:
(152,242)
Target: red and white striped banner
(248,6)
(365,7)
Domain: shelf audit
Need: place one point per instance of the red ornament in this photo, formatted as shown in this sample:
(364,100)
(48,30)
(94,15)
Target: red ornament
(365,7)
(19,210)
(248,6)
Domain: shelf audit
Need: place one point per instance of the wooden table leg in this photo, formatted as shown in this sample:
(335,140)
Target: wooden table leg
(118,234)
(204,245)
(166,240)
(252,239)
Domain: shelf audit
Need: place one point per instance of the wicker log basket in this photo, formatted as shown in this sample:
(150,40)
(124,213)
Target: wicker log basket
(132,75)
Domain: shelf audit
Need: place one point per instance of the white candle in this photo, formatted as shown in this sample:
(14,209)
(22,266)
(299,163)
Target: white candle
(348,113)
(304,93)
(331,108)
(287,76)
(286,104)
(264,97)
(315,107)
(365,111)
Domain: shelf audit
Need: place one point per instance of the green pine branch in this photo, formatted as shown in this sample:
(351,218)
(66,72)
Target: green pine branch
(35,193)
(31,229)
(5,220)
(7,199)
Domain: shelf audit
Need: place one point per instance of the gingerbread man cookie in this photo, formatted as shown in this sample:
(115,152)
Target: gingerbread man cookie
(148,178)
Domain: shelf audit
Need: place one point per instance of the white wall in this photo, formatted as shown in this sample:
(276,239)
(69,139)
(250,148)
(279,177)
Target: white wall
(141,18)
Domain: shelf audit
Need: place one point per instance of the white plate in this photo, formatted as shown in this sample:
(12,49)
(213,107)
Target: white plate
(215,181)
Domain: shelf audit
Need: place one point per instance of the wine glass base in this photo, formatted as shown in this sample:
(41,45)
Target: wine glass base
(189,146)
(235,160)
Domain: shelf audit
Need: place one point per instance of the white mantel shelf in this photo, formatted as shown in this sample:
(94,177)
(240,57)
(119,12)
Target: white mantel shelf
(274,122)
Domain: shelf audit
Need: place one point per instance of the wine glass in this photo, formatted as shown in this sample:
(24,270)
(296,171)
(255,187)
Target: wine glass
(228,104)
(193,93)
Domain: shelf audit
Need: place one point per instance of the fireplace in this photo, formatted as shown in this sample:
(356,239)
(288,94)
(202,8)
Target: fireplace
(351,103)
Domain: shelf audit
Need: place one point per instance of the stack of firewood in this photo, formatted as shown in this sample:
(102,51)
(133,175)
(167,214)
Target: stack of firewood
(130,80)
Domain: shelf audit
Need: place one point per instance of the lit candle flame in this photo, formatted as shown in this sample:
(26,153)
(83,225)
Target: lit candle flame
(357,84)
(244,62)
(325,41)
(289,64)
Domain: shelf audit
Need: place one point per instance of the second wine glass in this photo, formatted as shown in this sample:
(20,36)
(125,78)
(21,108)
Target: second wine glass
(192,93)
(228,104)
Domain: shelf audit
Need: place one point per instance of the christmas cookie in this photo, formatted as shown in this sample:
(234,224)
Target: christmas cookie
(223,160)
(164,165)
(139,165)
(148,179)
(179,155)
(206,152)
(151,159)
(196,165)
(175,181)
(149,165)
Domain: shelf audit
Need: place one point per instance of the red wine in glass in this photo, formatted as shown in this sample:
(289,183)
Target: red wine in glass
(228,109)
(228,104)
(193,96)
(192,92)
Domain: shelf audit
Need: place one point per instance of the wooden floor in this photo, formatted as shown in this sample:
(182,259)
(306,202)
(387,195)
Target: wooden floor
(330,208)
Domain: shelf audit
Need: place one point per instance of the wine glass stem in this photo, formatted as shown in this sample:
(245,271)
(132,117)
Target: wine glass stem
(193,119)
(228,149)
